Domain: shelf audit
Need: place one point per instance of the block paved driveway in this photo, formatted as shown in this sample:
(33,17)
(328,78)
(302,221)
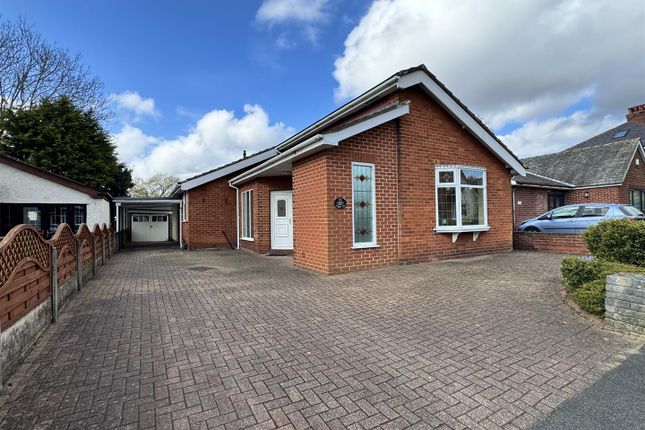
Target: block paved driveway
(222,339)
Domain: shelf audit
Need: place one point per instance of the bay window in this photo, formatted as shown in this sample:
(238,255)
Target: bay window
(247,215)
(363,205)
(461,199)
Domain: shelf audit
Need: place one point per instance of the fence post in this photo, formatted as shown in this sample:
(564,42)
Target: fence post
(79,265)
(103,250)
(54,282)
(93,255)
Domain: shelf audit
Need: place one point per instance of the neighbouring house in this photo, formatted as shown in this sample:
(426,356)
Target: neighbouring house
(402,173)
(29,195)
(608,168)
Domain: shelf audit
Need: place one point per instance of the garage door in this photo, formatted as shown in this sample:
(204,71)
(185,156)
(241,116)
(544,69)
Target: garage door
(149,228)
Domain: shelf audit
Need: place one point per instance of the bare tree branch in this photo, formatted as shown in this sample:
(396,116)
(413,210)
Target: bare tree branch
(31,69)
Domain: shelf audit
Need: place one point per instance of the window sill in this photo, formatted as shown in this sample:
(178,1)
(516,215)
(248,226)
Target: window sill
(456,231)
(247,239)
(366,246)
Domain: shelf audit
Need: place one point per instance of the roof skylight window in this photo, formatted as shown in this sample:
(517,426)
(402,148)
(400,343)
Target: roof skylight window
(619,134)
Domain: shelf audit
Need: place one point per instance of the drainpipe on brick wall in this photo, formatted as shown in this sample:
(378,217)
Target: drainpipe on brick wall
(237,214)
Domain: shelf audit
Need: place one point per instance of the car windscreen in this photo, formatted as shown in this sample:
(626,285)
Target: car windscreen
(631,211)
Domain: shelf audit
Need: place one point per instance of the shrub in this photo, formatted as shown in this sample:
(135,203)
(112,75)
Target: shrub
(576,271)
(591,297)
(621,240)
(585,280)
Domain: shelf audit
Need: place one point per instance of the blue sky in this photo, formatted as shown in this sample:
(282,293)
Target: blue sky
(195,83)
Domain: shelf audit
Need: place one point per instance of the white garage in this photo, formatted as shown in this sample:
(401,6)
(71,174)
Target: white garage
(153,221)
(149,228)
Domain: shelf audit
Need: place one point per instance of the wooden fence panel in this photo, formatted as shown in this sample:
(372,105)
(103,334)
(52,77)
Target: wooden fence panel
(65,243)
(112,239)
(25,272)
(98,243)
(86,240)
(106,240)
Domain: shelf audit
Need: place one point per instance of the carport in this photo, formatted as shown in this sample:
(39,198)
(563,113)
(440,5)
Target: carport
(152,220)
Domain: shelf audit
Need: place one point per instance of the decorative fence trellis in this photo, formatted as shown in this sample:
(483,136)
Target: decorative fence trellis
(33,270)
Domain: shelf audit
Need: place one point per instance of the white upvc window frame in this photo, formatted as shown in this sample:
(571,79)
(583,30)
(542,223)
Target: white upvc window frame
(184,207)
(456,184)
(247,205)
(374,242)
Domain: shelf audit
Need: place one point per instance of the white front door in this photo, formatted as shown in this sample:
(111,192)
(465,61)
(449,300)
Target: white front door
(149,228)
(281,220)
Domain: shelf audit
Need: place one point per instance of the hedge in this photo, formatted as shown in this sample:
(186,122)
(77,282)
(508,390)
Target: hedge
(621,240)
(584,280)
(591,297)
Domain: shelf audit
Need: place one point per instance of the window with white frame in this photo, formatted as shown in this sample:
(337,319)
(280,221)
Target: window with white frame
(460,198)
(363,205)
(247,214)
(184,207)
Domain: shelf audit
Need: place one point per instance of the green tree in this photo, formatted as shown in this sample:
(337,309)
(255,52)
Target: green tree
(57,136)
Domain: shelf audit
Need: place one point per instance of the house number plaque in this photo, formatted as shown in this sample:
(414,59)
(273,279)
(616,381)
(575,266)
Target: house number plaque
(340,203)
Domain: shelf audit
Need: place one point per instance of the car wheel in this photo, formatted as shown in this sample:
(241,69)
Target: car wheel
(532,229)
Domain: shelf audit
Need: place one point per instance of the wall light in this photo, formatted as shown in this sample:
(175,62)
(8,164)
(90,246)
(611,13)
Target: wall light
(586,194)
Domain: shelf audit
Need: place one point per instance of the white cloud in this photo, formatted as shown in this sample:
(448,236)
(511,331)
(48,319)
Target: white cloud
(510,61)
(301,11)
(217,138)
(132,102)
(306,14)
(555,134)
(131,143)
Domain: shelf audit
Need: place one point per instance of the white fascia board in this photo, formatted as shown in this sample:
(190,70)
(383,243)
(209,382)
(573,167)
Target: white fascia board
(358,103)
(638,148)
(224,171)
(146,201)
(420,77)
(320,142)
(334,137)
(549,178)
(275,161)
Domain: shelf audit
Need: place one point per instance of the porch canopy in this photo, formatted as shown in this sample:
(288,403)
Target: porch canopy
(148,220)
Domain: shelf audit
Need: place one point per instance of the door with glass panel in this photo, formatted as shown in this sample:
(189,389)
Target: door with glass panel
(281,220)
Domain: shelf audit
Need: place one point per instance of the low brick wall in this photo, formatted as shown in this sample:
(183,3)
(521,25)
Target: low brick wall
(625,303)
(550,242)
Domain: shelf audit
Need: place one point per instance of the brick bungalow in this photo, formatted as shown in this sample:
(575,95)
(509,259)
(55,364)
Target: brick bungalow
(403,173)
(608,168)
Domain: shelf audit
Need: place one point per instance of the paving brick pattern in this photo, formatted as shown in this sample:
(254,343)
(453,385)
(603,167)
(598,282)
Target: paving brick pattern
(218,339)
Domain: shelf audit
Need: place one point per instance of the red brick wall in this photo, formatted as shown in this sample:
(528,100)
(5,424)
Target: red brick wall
(211,210)
(635,178)
(550,242)
(596,195)
(430,137)
(262,188)
(377,146)
(535,201)
(405,203)
(310,214)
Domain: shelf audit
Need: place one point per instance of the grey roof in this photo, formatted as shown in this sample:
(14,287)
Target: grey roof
(584,166)
(634,130)
(538,180)
(232,163)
